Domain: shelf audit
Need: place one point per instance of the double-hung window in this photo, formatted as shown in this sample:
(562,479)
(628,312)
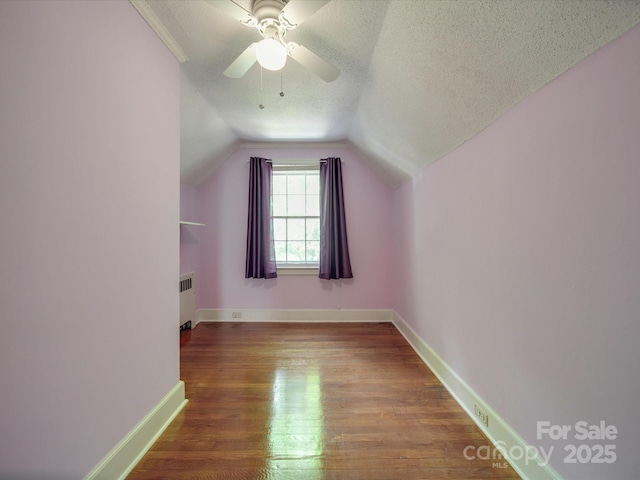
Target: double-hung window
(295,210)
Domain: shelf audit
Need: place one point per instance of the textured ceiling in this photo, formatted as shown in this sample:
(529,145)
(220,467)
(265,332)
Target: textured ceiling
(418,77)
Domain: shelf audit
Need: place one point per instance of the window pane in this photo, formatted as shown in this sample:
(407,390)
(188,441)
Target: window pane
(279,229)
(313,184)
(279,205)
(279,184)
(295,229)
(281,251)
(295,251)
(313,251)
(313,205)
(296,194)
(313,229)
(295,205)
(295,184)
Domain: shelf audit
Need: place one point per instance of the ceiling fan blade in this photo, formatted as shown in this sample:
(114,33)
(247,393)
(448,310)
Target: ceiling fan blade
(233,10)
(243,63)
(313,62)
(297,11)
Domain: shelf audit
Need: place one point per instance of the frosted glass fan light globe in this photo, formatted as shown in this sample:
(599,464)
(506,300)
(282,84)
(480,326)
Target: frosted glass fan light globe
(271,54)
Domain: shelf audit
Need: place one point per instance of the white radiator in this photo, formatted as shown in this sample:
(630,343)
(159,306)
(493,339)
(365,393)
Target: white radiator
(187,301)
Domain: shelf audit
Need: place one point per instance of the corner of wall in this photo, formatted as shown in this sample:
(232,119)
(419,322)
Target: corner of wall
(122,459)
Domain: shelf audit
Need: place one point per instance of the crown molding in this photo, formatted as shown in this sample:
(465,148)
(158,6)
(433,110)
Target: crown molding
(157,26)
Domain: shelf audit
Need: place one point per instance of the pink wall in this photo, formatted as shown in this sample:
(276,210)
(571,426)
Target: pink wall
(518,260)
(190,234)
(89,142)
(224,210)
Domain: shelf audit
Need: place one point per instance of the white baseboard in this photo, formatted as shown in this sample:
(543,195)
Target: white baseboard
(292,315)
(123,458)
(498,431)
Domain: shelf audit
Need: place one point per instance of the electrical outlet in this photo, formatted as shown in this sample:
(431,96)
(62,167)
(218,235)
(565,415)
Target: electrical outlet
(481,414)
(236,314)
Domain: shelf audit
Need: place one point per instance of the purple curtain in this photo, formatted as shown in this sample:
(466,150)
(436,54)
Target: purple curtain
(261,255)
(334,249)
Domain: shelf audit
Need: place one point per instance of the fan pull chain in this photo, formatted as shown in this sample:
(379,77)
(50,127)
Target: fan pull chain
(281,89)
(261,104)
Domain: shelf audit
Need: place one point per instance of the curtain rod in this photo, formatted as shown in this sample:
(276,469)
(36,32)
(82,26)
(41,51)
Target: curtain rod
(296,163)
(301,164)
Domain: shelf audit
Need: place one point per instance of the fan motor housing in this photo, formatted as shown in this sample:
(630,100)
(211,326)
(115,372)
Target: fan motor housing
(267,9)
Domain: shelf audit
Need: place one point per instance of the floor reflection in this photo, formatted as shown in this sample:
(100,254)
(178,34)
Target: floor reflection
(296,424)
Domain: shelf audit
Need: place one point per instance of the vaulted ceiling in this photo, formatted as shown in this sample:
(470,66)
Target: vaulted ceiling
(417,77)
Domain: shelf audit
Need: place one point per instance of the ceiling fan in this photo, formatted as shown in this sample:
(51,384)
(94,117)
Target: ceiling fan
(273,18)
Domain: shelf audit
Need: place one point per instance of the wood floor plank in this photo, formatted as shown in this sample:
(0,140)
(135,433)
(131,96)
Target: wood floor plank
(301,401)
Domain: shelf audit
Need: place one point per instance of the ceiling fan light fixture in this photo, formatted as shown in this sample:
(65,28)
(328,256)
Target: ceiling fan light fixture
(271,54)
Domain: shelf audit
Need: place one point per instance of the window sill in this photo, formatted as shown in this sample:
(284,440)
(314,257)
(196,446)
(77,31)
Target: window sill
(289,270)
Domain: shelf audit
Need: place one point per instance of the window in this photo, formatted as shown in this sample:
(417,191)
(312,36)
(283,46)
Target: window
(296,216)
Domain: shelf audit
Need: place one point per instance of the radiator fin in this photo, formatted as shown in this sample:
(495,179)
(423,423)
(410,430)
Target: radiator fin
(186,284)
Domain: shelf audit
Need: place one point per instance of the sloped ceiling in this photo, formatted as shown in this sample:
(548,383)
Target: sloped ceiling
(418,77)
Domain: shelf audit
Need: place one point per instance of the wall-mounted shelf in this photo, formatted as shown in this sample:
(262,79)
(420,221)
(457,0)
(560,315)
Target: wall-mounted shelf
(182,222)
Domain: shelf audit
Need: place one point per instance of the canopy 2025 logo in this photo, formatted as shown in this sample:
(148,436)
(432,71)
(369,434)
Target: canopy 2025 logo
(583,431)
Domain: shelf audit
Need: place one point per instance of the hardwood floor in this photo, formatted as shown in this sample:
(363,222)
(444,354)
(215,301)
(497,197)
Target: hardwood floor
(283,401)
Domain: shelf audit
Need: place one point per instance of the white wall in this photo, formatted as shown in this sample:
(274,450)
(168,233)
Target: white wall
(517,258)
(89,169)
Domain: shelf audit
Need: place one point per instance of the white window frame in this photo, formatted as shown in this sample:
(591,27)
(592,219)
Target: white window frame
(304,166)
